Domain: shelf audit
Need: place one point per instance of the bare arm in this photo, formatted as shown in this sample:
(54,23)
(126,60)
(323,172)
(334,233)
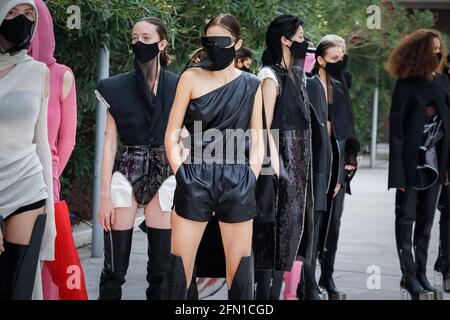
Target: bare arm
(257,143)
(109,155)
(269,93)
(106,211)
(175,123)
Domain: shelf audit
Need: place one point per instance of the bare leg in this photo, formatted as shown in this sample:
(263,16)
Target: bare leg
(18,228)
(155,217)
(125,217)
(117,248)
(186,237)
(237,243)
(158,228)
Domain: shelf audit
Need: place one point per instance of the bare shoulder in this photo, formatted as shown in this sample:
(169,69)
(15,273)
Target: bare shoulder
(68,80)
(193,74)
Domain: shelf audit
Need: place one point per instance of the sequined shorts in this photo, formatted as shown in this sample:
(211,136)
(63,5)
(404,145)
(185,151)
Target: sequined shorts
(145,168)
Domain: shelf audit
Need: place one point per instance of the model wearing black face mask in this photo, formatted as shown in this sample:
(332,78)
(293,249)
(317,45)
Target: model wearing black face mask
(219,56)
(299,49)
(18,32)
(245,69)
(335,68)
(145,52)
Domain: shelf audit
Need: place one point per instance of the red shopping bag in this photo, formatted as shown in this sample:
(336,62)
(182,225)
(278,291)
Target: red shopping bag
(66,270)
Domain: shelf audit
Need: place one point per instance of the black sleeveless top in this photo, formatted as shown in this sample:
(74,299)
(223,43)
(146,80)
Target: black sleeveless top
(292,104)
(219,118)
(141,118)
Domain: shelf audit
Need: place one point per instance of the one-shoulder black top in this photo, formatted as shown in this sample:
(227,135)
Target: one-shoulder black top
(219,117)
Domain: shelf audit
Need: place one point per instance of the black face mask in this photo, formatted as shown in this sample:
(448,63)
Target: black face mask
(145,52)
(439,56)
(245,69)
(18,31)
(345,61)
(219,55)
(299,49)
(334,68)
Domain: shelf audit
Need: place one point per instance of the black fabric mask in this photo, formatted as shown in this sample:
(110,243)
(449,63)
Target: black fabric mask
(18,31)
(299,49)
(220,55)
(439,56)
(245,69)
(345,61)
(334,68)
(145,52)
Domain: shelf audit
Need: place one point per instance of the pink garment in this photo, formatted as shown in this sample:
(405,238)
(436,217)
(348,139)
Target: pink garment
(309,62)
(62,112)
(291,281)
(51,290)
(62,120)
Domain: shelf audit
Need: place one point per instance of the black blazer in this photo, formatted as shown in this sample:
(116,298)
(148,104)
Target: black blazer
(140,118)
(322,156)
(410,99)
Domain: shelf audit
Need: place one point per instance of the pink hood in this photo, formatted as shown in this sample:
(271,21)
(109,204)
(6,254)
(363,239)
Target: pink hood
(43,45)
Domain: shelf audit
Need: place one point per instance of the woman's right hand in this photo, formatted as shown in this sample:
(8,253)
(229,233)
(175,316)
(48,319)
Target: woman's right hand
(106,213)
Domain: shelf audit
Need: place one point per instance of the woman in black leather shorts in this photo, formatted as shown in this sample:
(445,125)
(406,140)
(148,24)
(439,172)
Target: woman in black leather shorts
(217,104)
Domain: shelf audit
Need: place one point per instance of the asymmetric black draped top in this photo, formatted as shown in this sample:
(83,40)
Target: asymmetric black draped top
(219,116)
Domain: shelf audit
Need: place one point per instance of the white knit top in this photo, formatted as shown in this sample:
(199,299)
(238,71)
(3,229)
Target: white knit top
(25,159)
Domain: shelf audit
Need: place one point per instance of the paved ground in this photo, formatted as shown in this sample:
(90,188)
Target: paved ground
(367,242)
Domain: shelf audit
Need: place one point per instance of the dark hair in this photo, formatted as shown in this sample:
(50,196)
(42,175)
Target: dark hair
(284,25)
(321,51)
(224,20)
(244,54)
(228,22)
(166,58)
(414,55)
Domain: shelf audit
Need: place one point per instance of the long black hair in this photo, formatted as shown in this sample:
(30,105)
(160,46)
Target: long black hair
(284,25)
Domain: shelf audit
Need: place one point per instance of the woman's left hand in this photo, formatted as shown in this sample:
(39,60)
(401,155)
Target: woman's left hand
(336,189)
(350,167)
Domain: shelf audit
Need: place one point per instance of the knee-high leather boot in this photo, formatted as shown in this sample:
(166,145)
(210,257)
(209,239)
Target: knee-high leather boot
(405,214)
(158,262)
(309,289)
(18,265)
(426,209)
(177,279)
(117,258)
(242,287)
(328,257)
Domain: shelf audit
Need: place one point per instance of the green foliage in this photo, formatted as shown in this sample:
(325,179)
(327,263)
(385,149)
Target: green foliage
(110,22)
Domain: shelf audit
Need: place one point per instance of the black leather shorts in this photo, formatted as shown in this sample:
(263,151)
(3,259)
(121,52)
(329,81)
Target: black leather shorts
(146,169)
(225,191)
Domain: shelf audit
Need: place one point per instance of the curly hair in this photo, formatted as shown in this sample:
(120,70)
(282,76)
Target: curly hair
(414,56)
